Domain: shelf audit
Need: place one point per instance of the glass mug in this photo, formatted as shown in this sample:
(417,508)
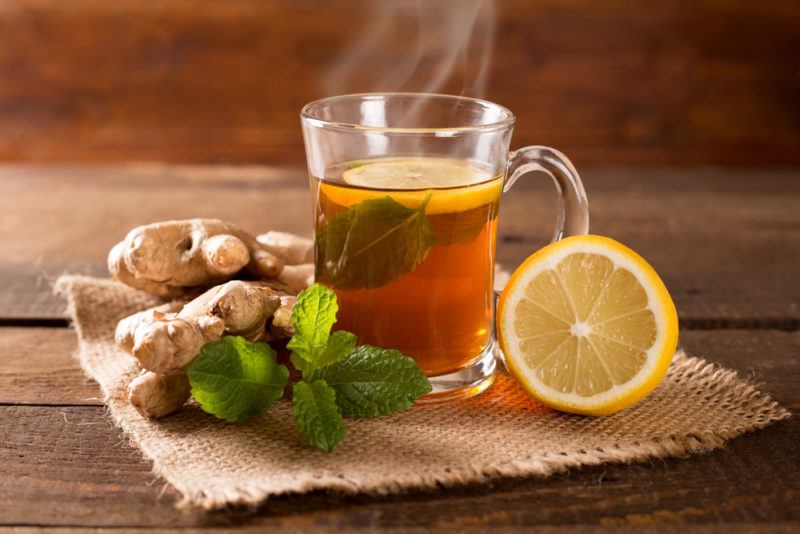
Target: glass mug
(406,190)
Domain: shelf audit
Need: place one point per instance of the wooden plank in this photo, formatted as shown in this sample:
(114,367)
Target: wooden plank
(78,213)
(606,81)
(73,459)
(38,367)
(726,242)
(770,358)
(28,297)
(34,359)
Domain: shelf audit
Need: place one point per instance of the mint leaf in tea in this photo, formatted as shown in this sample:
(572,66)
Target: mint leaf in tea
(373,243)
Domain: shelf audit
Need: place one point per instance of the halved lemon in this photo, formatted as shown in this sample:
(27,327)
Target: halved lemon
(587,326)
(454,185)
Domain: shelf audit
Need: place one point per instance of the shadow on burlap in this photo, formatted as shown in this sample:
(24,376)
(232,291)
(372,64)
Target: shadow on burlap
(499,433)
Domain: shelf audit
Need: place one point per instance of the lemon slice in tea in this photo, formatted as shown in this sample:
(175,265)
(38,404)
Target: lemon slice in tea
(587,326)
(414,173)
(453,185)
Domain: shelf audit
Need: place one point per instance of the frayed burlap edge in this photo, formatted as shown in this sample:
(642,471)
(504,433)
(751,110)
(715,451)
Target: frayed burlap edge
(539,465)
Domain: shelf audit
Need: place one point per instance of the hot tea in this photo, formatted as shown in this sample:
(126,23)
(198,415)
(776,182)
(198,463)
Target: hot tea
(408,246)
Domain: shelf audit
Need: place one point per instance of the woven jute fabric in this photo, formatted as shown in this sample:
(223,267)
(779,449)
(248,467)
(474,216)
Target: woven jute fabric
(501,432)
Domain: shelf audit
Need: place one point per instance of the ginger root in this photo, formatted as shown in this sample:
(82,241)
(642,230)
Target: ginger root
(297,277)
(126,327)
(120,272)
(164,341)
(155,395)
(290,248)
(281,325)
(181,259)
(163,258)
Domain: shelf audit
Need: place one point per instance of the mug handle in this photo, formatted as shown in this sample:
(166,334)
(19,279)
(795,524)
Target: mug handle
(573,210)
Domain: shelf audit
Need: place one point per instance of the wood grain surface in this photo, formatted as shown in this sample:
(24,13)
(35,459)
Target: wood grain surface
(606,81)
(725,242)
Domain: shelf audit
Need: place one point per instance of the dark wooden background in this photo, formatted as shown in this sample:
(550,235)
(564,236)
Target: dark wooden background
(610,82)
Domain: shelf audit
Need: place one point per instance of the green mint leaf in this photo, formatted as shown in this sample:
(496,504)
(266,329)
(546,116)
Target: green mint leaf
(301,364)
(340,344)
(461,228)
(372,381)
(314,408)
(312,318)
(234,379)
(372,243)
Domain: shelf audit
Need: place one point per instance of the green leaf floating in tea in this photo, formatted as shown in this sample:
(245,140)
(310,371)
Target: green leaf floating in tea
(462,227)
(373,243)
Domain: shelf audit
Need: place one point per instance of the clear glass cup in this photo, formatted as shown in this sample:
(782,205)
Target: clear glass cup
(406,192)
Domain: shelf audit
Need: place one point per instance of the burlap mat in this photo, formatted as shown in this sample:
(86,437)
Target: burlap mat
(499,433)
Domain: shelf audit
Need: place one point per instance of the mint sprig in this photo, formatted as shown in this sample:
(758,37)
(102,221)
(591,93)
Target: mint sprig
(235,379)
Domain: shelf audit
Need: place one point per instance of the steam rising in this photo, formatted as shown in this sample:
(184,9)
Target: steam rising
(426,46)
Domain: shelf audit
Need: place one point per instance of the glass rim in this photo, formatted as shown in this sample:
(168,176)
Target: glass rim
(506,122)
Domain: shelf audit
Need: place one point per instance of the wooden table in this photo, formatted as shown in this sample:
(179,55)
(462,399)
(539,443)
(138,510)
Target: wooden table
(727,244)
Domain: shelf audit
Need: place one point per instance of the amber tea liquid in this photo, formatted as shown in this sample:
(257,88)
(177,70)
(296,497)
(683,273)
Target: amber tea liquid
(407,244)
